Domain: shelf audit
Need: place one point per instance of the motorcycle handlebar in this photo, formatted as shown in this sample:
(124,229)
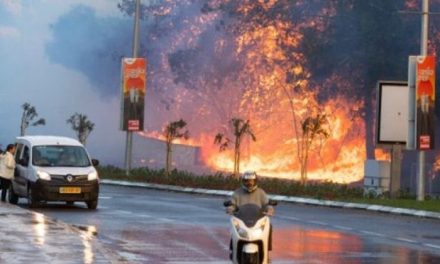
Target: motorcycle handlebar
(273,202)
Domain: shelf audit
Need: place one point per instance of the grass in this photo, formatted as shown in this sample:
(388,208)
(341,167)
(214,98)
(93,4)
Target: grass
(220,181)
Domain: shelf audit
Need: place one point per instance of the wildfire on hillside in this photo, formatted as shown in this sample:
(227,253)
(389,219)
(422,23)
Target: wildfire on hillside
(274,90)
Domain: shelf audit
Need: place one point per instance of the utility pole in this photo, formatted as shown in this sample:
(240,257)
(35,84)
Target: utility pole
(129,138)
(423,52)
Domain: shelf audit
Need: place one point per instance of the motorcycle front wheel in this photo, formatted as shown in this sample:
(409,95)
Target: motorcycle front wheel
(247,258)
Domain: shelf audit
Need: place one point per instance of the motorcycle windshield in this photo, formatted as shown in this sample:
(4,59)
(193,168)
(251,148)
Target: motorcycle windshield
(249,214)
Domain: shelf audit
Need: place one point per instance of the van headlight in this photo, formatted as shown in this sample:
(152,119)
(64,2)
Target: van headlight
(43,175)
(92,176)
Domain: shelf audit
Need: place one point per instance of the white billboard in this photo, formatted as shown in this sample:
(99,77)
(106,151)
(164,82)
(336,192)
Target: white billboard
(392,113)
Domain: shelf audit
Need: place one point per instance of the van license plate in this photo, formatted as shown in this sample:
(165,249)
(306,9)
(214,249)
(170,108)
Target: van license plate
(70,190)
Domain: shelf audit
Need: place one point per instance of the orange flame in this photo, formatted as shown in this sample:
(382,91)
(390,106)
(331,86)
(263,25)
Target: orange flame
(382,154)
(275,106)
(436,165)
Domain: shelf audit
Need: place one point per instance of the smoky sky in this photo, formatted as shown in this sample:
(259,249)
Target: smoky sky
(92,45)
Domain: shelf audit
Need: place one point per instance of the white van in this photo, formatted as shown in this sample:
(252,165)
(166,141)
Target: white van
(51,168)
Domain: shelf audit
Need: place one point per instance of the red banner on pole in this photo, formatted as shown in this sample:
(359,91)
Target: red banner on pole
(425,102)
(133,94)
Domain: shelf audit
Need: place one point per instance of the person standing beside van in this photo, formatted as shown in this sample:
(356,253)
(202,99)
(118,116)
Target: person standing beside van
(7,167)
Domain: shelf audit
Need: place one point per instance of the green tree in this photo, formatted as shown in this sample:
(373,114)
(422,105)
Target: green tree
(81,125)
(240,128)
(29,114)
(173,130)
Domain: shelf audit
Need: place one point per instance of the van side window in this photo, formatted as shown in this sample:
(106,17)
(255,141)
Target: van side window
(18,152)
(25,157)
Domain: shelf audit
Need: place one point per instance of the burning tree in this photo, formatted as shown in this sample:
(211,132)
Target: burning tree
(312,127)
(81,125)
(240,128)
(173,130)
(29,114)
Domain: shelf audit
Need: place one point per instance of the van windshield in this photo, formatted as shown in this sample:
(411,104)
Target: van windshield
(60,156)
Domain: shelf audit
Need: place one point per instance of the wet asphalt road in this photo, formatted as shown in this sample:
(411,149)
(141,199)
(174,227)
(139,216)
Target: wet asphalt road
(147,226)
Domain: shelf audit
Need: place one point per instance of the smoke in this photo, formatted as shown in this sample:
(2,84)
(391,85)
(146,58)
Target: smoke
(91,45)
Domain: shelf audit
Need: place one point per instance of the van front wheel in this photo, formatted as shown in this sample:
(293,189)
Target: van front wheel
(93,204)
(12,196)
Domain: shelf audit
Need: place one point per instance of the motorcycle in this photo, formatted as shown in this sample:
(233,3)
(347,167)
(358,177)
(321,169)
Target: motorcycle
(250,230)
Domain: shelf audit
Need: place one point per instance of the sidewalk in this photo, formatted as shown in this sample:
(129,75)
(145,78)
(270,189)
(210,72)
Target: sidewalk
(30,237)
(287,199)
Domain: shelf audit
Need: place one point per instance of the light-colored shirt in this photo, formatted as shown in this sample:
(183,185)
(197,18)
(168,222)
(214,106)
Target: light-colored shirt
(258,197)
(7,165)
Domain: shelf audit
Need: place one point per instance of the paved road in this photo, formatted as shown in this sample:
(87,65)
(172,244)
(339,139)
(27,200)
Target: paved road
(148,226)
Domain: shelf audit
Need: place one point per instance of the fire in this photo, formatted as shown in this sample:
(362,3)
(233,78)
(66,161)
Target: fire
(382,154)
(340,159)
(436,166)
(276,92)
(161,136)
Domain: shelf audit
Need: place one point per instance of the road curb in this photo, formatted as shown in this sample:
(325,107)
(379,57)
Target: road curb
(281,198)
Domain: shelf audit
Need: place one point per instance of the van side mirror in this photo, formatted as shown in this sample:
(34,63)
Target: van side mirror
(95,162)
(227,203)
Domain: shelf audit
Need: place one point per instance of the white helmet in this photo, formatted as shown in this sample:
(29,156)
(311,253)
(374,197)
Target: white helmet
(249,175)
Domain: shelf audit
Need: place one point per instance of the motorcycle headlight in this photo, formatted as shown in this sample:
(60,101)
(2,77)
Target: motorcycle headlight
(44,175)
(262,224)
(241,231)
(92,176)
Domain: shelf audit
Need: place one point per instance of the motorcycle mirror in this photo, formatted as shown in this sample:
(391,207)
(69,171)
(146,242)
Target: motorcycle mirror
(273,203)
(227,203)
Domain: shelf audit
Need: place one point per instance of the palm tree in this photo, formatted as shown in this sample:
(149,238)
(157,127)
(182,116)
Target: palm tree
(29,114)
(312,127)
(241,128)
(173,131)
(81,125)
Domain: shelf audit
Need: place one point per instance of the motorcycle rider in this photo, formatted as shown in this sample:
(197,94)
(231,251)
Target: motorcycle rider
(249,192)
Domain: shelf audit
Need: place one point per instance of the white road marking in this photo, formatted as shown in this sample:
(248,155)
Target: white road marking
(405,240)
(144,215)
(222,243)
(343,227)
(318,223)
(432,246)
(372,233)
(119,212)
(184,244)
(105,197)
(291,218)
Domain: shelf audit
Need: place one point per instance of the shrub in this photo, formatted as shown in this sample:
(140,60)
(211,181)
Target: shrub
(219,181)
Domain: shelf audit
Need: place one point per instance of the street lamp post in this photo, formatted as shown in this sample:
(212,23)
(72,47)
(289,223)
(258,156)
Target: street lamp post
(423,52)
(129,137)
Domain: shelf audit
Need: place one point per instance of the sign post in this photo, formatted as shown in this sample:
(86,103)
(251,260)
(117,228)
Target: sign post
(133,92)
